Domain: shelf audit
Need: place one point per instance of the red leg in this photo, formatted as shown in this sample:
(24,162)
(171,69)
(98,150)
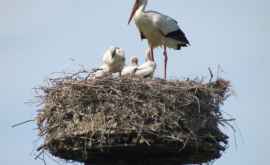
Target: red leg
(165,61)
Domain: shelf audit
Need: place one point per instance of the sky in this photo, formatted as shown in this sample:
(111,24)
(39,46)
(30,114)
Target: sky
(39,37)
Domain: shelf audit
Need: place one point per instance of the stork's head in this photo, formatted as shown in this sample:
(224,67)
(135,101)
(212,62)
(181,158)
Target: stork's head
(113,54)
(134,61)
(119,52)
(137,4)
(114,51)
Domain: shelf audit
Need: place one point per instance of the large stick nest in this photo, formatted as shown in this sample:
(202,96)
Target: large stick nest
(129,119)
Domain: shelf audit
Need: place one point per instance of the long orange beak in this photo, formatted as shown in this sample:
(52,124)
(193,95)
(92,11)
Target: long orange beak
(135,8)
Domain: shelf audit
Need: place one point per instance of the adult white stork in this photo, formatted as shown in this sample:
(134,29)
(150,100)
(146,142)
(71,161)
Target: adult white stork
(147,69)
(130,69)
(158,29)
(113,62)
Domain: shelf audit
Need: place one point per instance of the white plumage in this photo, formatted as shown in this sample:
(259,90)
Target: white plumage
(102,71)
(147,69)
(113,62)
(114,59)
(130,69)
(158,29)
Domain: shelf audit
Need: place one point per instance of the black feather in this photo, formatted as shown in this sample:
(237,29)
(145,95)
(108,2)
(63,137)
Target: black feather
(96,69)
(114,52)
(179,35)
(142,36)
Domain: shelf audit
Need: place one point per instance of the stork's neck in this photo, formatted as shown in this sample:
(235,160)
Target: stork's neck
(134,64)
(141,9)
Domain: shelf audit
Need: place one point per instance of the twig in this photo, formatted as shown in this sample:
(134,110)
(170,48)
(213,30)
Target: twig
(211,74)
(38,155)
(22,123)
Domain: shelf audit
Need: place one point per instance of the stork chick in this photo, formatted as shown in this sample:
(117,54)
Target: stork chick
(147,69)
(113,62)
(114,59)
(130,69)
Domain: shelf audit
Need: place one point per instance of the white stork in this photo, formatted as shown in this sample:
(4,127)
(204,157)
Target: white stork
(147,69)
(114,58)
(113,62)
(101,72)
(130,69)
(158,29)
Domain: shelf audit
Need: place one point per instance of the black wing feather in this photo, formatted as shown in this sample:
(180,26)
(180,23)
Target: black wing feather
(142,35)
(179,35)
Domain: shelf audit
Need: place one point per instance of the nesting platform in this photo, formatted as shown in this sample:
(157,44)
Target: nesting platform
(133,120)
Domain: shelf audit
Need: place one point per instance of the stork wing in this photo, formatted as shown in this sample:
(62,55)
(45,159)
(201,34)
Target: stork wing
(168,26)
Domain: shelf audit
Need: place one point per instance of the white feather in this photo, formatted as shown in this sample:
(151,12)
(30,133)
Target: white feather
(147,69)
(129,70)
(116,62)
(165,23)
(112,63)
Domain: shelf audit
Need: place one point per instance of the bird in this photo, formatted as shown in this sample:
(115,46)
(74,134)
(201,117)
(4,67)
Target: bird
(160,30)
(101,72)
(113,62)
(147,69)
(130,69)
(114,59)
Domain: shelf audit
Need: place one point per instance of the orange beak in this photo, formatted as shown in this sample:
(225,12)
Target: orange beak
(135,8)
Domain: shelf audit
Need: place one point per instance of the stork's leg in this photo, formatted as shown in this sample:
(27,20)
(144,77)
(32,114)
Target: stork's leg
(152,53)
(165,61)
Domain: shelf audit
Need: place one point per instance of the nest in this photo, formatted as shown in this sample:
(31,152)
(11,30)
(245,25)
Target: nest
(133,120)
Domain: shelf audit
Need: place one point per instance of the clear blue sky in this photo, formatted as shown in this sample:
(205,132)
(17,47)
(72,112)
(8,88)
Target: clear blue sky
(38,37)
